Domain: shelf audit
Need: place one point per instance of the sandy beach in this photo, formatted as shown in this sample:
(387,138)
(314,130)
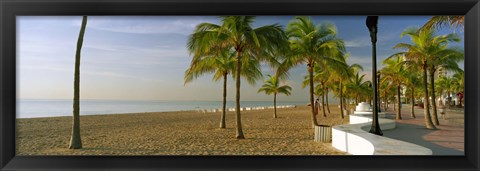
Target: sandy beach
(179,133)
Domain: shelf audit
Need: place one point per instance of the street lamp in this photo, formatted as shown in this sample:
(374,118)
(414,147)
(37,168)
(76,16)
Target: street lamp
(372,27)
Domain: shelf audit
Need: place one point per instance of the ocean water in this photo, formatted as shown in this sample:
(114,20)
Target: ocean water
(28,108)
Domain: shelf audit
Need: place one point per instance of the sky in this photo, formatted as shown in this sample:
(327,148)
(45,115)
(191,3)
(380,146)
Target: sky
(145,57)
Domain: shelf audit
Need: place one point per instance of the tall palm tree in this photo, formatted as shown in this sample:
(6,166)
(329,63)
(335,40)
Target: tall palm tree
(310,44)
(441,87)
(320,76)
(340,76)
(358,88)
(446,85)
(221,64)
(459,84)
(412,81)
(439,21)
(459,77)
(272,86)
(395,73)
(448,59)
(75,140)
(237,33)
(425,44)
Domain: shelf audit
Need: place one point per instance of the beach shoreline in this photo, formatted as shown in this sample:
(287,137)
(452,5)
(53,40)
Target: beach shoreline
(179,133)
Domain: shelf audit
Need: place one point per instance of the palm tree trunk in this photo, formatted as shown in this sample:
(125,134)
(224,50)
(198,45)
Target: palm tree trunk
(237,97)
(323,100)
(75,140)
(224,104)
(318,97)
(274,105)
(413,102)
(434,103)
(426,108)
(328,106)
(386,102)
(341,100)
(310,72)
(394,107)
(449,99)
(399,112)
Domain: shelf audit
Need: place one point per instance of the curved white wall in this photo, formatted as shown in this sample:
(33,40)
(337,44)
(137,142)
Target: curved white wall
(355,139)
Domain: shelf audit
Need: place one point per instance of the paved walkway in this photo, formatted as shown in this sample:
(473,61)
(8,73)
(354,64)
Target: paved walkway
(448,139)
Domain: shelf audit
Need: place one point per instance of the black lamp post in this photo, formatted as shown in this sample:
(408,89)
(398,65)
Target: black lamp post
(372,27)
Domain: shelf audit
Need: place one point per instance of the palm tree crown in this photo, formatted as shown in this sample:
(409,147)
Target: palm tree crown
(272,86)
(311,44)
(237,34)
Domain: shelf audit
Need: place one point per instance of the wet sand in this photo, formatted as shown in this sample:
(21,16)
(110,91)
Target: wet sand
(180,133)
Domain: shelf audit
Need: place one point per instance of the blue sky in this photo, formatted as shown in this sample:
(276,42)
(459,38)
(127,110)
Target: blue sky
(144,57)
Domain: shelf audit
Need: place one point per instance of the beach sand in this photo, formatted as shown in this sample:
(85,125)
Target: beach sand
(180,133)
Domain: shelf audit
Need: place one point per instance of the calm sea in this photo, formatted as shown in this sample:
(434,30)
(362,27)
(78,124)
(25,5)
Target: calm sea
(51,108)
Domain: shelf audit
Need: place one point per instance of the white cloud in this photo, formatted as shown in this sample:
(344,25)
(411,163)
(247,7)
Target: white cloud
(358,42)
(366,40)
(146,25)
(118,75)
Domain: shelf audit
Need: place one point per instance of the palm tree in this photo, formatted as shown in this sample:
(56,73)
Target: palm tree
(441,86)
(439,21)
(320,76)
(310,44)
(395,73)
(412,81)
(221,64)
(75,140)
(272,86)
(459,84)
(424,46)
(236,33)
(459,77)
(446,85)
(447,59)
(358,88)
(340,76)
(387,91)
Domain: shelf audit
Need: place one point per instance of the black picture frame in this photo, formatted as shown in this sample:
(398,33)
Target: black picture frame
(11,8)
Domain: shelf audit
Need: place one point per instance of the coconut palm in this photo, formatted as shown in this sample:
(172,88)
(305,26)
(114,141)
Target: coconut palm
(272,86)
(395,73)
(446,85)
(459,77)
(75,140)
(412,81)
(322,75)
(425,44)
(340,76)
(221,64)
(237,33)
(447,59)
(311,44)
(441,86)
(439,21)
(387,91)
(319,77)
(459,84)
(358,88)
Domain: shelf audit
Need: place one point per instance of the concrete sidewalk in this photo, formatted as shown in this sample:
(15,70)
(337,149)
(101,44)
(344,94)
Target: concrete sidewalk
(448,139)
